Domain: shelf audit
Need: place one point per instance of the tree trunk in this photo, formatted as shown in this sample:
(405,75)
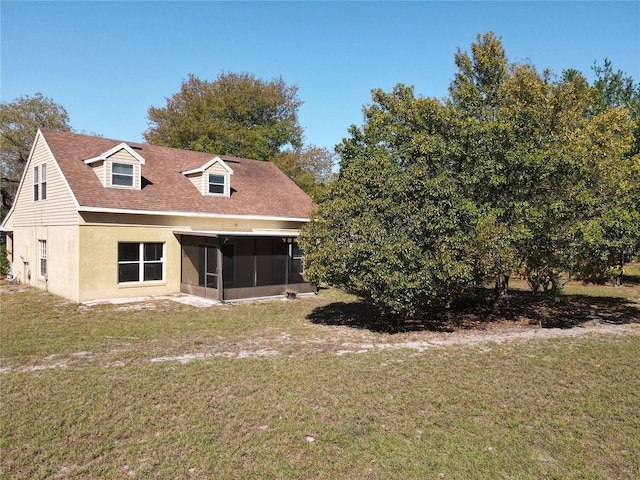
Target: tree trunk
(501,296)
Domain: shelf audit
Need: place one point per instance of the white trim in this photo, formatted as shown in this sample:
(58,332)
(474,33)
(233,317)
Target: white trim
(231,233)
(114,150)
(134,171)
(189,214)
(206,183)
(207,165)
(42,248)
(141,263)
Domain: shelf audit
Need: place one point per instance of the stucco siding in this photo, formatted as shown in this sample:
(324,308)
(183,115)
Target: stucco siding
(101,233)
(61,258)
(59,207)
(99,261)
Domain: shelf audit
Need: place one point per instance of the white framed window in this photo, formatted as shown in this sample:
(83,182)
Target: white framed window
(216,184)
(40,182)
(43,258)
(122,174)
(36,183)
(140,262)
(296,251)
(43,181)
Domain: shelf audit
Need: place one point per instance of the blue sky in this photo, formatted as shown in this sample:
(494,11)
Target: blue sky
(108,62)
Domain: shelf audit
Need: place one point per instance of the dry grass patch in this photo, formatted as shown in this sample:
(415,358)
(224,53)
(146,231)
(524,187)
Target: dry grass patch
(82,398)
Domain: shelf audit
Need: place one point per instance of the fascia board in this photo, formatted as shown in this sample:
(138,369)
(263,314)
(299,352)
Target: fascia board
(236,233)
(207,165)
(189,214)
(111,151)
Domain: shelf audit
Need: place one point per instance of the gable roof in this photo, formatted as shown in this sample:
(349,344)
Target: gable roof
(116,149)
(258,188)
(213,161)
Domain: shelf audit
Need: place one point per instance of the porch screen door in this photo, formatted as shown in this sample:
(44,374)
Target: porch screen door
(211,267)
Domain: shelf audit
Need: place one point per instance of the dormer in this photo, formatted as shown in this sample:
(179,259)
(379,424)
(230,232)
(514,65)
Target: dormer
(213,178)
(119,167)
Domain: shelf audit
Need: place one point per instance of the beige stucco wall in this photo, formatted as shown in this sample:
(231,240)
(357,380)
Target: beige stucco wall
(62,258)
(99,261)
(100,233)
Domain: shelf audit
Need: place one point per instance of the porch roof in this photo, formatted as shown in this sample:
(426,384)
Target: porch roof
(282,233)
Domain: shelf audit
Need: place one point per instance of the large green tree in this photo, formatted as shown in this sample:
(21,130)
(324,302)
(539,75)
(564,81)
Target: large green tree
(515,169)
(310,167)
(236,114)
(19,122)
(617,89)
(394,227)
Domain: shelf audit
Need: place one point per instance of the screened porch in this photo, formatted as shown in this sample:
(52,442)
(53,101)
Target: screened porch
(236,267)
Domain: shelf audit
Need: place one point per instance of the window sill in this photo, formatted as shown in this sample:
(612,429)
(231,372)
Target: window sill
(156,283)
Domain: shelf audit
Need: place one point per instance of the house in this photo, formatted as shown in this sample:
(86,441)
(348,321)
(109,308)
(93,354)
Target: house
(95,219)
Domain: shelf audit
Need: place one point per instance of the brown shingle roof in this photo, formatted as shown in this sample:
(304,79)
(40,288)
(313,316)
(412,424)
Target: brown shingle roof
(258,188)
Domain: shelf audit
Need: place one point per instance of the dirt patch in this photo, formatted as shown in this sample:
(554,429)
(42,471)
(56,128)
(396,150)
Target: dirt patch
(346,341)
(343,341)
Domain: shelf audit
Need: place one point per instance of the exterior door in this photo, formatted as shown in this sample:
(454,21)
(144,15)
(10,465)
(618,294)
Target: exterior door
(211,271)
(199,267)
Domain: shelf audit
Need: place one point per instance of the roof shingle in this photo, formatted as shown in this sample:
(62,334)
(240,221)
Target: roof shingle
(258,188)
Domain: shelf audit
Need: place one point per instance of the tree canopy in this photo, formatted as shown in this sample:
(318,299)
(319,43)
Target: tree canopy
(310,167)
(515,170)
(19,122)
(236,114)
(243,116)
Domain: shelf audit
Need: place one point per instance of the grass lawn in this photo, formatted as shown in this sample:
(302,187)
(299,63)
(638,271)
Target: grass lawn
(313,389)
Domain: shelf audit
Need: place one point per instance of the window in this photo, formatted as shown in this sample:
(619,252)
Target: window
(36,184)
(296,251)
(43,258)
(122,175)
(216,184)
(40,182)
(43,181)
(140,262)
(296,267)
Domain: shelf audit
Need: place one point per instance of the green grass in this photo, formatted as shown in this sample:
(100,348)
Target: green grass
(82,398)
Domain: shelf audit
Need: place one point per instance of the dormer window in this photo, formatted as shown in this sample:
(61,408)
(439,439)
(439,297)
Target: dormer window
(213,178)
(119,167)
(216,184)
(122,175)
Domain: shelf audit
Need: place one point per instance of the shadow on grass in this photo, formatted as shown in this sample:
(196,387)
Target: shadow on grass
(524,307)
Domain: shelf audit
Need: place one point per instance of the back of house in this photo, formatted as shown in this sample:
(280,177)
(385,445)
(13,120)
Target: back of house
(96,218)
